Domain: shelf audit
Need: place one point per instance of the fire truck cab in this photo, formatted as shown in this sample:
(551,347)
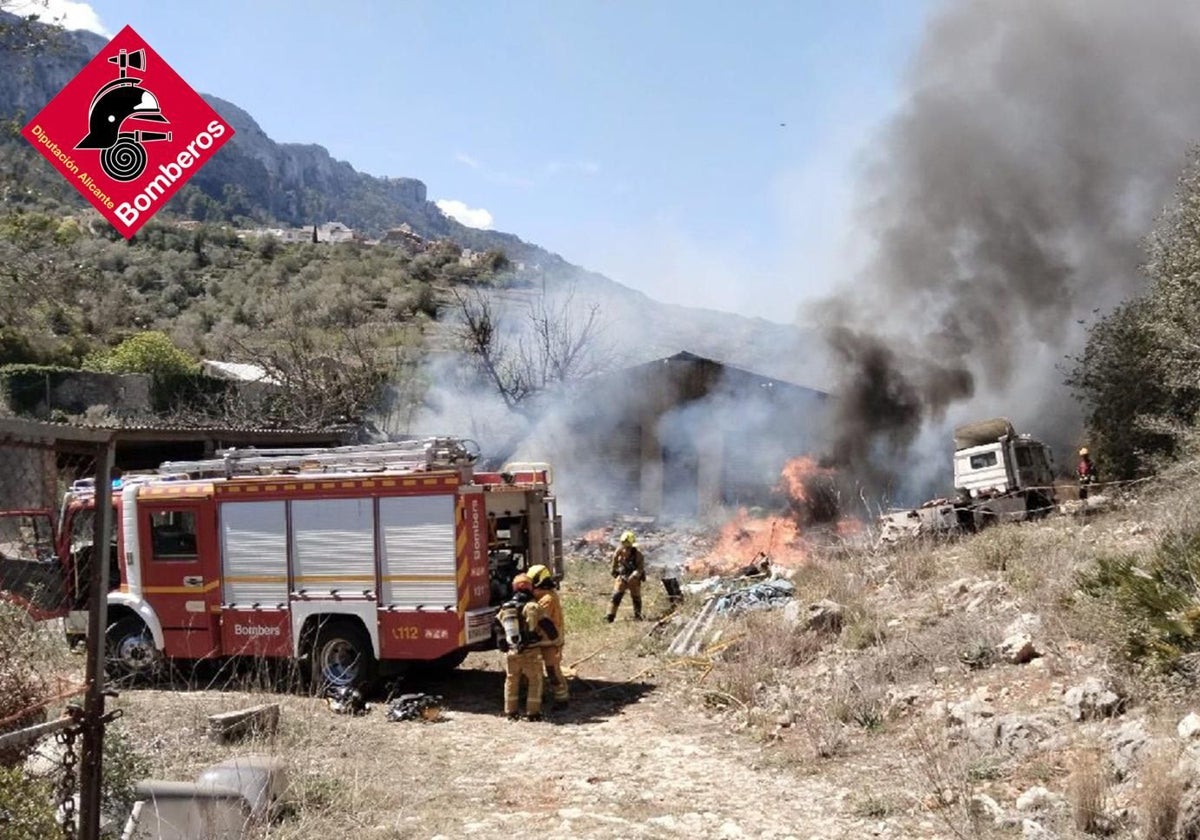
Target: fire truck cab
(354,561)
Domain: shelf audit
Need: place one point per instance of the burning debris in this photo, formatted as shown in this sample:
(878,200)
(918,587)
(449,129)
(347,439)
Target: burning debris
(745,537)
(807,515)
(811,490)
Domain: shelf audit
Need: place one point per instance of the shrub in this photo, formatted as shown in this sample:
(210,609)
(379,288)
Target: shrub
(1156,603)
(150,352)
(124,767)
(22,684)
(26,807)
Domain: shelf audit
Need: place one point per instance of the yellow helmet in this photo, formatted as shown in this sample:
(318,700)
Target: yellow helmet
(522,583)
(542,577)
(1083,451)
(628,538)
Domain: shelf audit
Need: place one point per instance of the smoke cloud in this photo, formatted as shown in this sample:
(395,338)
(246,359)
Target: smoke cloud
(1004,206)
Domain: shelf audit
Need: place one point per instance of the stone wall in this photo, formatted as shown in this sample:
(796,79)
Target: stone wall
(41,395)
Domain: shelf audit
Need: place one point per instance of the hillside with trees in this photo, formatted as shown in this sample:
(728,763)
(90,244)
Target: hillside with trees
(1139,373)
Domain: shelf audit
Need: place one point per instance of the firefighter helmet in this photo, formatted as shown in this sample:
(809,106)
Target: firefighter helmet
(522,583)
(541,577)
(628,538)
(1083,452)
(115,105)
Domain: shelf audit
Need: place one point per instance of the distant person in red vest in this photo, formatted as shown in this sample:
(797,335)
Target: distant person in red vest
(1085,472)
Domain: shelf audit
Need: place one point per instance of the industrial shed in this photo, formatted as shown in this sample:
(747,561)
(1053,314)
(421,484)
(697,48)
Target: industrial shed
(677,437)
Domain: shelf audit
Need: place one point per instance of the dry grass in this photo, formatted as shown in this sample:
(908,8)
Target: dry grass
(766,648)
(914,567)
(824,735)
(1159,795)
(940,775)
(34,668)
(1087,790)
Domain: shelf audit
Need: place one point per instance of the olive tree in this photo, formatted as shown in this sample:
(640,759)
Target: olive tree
(1139,373)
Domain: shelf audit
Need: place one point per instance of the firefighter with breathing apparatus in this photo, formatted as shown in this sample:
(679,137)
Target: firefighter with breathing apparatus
(524,628)
(628,571)
(545,590)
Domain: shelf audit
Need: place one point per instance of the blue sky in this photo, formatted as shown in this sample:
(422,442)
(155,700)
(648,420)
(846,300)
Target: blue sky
(639,139)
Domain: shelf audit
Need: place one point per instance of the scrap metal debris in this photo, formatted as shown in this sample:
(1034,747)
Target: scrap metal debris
(426,707)
(730,597)
(763,595)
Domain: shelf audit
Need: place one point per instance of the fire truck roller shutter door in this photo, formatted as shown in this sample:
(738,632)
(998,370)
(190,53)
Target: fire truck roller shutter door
(333,544)
(254,553)
(419,558)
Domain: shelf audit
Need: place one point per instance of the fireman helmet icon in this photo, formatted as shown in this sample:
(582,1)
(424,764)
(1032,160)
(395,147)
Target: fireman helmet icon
(123,157)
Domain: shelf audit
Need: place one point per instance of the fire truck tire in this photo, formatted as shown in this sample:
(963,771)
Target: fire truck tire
(341,655)
(131,656)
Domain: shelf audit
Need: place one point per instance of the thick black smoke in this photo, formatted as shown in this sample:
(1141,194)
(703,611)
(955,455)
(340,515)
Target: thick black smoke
(1005,204)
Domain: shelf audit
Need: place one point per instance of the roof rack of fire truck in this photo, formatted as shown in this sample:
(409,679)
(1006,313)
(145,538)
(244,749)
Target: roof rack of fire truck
(403,455)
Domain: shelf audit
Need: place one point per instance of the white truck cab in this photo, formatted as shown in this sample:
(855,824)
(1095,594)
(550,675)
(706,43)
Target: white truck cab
(999,476)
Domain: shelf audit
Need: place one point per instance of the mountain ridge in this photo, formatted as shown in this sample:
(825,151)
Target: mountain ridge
(256,180)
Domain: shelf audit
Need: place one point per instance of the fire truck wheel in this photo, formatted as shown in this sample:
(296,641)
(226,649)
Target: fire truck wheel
(342,656)
(131,654)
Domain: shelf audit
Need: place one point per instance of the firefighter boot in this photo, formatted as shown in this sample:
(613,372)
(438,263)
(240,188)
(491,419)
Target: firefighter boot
(612,607)
(637,606)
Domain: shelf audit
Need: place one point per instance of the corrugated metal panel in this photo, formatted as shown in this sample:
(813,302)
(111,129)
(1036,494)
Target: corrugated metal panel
(333,541)
(253,552)
(418,551)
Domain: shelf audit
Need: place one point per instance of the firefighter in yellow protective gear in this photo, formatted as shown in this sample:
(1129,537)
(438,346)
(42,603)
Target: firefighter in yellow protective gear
(545,589)
(628,571)
(523,629)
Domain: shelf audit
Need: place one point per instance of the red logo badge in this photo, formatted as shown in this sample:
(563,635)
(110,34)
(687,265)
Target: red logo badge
(127,132)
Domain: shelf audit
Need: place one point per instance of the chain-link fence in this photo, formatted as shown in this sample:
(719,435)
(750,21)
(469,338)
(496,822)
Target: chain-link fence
(51,705)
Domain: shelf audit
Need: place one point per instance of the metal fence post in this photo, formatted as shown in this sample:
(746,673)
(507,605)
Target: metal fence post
(91,769)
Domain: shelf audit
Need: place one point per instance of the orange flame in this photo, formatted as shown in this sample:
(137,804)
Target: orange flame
(744,538)
(597,535)
(849,527)
(796,474)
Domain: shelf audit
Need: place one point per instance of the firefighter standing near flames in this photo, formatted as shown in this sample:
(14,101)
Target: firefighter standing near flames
(545,590)
(628,571)
(1085,471)
(524,628)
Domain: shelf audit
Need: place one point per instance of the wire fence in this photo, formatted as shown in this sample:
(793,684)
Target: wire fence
(51,705)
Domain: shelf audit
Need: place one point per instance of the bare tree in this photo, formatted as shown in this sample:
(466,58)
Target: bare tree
(557,341)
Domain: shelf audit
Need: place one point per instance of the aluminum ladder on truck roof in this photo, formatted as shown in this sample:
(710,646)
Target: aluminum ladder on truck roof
(403,456)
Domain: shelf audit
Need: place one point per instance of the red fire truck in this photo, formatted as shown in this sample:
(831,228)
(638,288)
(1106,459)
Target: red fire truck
(354,561)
